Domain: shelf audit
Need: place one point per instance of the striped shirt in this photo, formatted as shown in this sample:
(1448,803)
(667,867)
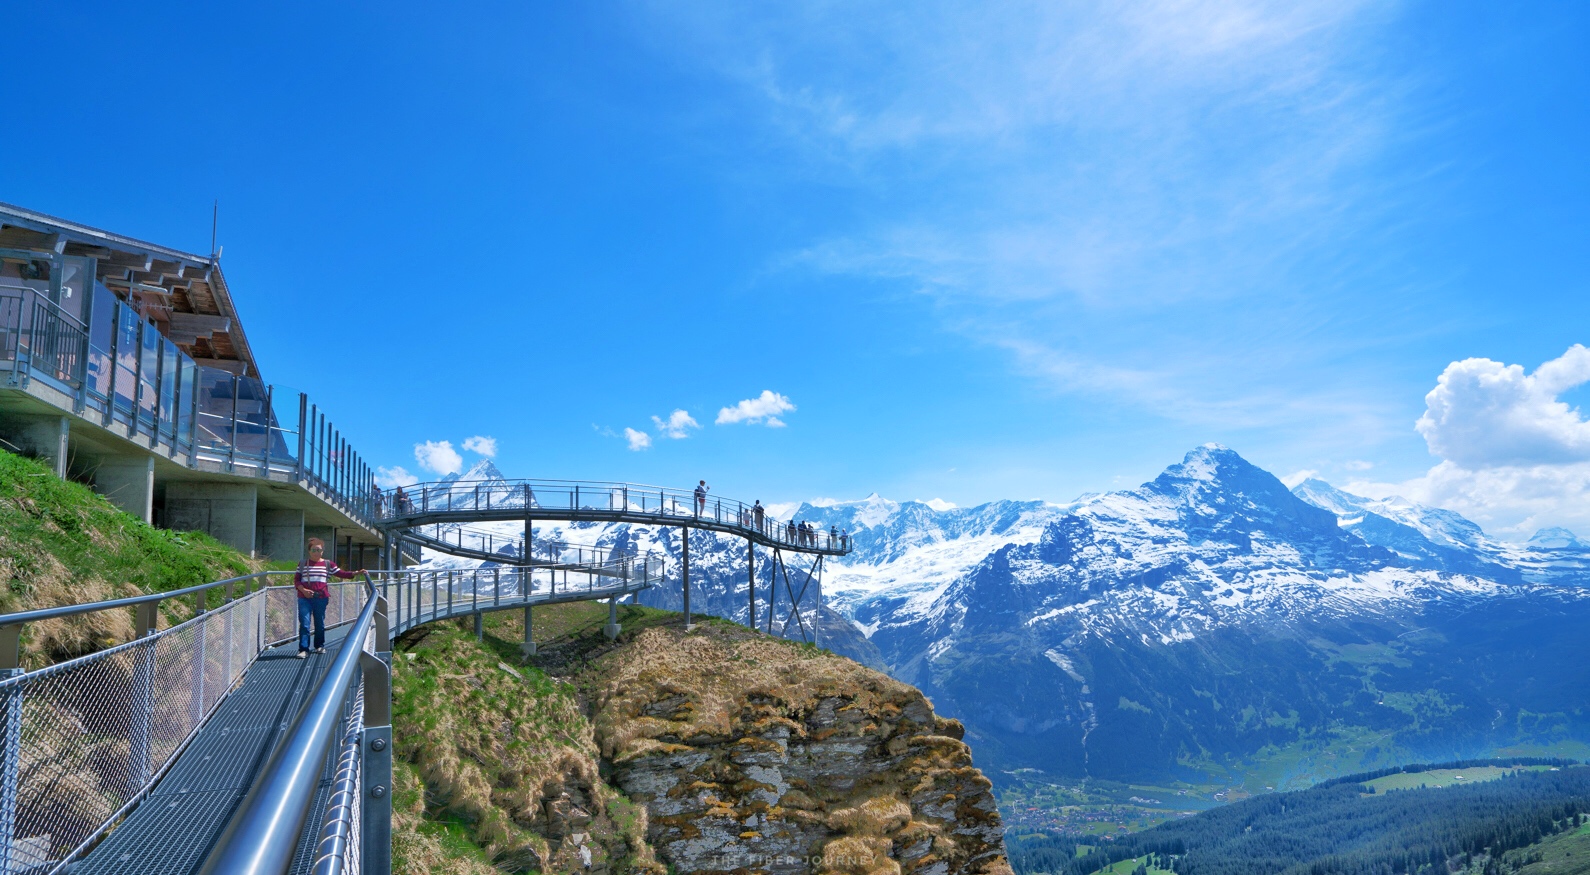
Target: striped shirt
(314,575)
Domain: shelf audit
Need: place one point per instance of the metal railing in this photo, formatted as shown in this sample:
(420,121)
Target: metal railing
(508,548)
(37,336)
(264,832)
(418,597)
(597,499)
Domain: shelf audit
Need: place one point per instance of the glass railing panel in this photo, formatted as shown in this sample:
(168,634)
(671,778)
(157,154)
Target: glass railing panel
(215,410)
(189,376)
(101,332)
(127,323)
(170,357)
(252,422)
(148,375)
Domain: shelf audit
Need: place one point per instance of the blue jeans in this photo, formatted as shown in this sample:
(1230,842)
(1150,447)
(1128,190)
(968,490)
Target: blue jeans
(307,609)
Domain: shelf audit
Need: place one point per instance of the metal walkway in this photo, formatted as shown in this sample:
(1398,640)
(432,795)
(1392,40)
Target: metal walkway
(177,738)
(172,832)
(594,501)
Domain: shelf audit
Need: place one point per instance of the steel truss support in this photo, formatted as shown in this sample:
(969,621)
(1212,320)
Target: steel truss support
(796,597)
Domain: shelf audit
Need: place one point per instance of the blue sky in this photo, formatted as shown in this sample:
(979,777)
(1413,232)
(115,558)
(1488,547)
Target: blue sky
(984,251)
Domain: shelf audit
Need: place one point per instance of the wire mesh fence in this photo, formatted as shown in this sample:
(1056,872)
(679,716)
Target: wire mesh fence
(85,739)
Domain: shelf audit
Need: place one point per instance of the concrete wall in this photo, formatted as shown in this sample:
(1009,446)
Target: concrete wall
(224,511)
(42,436)
(129,483)
(279,534)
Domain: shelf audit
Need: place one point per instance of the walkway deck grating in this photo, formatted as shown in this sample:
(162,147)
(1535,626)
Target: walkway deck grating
(172,832)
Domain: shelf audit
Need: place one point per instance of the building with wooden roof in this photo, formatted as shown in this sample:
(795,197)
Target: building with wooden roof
(124,364)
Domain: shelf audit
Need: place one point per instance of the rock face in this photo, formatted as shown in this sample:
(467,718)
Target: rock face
(753,754)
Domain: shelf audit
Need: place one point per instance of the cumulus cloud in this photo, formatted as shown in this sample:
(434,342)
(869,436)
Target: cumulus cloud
(676,426)
(1484,414)
(764,409)
(638,440)
(388,478)
(1514,457)
(486,446)
(438,457)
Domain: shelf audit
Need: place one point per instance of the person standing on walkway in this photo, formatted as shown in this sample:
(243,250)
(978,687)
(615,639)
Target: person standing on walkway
(701,497)
(311,580)
(758,513)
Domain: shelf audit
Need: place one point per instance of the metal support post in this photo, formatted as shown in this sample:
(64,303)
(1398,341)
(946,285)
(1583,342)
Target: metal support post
(611,630)
(480,626)
(143,705)
(750,579)
(685,568)
(10,771)
(375,773)
(528,648)
(196,704)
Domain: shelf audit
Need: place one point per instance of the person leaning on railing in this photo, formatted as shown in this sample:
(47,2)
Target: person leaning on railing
(311,581)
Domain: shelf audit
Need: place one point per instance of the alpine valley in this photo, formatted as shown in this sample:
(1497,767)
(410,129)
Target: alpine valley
(1211,626)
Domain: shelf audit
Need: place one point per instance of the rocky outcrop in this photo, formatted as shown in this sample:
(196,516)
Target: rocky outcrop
(753,754)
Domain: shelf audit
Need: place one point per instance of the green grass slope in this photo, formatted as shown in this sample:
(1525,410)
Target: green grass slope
(62,544)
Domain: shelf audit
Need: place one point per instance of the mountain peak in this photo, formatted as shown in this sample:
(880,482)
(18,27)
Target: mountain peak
(1556,538)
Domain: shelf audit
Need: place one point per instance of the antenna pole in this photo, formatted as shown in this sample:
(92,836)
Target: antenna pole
(215,218)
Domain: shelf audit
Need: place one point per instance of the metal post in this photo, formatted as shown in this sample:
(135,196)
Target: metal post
(196,704)
(528,648)
(231,456)
(611,630)
(480,626)
(750,578)
(375,773)
(685,532)
(303,437)
(143,705)
(10,771)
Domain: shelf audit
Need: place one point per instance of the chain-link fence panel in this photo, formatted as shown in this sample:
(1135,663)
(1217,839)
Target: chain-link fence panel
(85,739)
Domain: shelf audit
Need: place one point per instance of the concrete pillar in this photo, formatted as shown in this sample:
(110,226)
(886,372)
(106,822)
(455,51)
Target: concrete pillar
(611,629)
(528,648)
(224,511)
(129,483)
(44,437)
(480,626)
(278,533)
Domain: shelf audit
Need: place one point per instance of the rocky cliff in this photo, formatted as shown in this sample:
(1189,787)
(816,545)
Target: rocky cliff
(756,754)
(715,751)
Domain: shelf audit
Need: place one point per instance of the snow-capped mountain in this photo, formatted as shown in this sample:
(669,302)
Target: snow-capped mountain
(1209,621)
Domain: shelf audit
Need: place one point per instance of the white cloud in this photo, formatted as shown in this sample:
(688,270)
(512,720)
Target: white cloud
(485,446)
(387,478)
(1514,458)
(1297,477)
(763,409)
(676,426)
(1118,189)
(1358,465)
(1484,414)
(438,457)
(638,440)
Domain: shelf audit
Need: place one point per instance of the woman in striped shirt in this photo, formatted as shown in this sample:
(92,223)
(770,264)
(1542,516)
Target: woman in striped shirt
(310,580)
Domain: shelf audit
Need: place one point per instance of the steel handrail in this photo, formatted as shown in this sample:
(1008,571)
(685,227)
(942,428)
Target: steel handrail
(262,836)
(11,624)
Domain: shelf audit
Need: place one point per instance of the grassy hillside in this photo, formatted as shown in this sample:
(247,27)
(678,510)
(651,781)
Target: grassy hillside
(62,544)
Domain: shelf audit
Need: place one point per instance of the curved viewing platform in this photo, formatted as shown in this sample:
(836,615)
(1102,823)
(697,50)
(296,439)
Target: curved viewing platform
(596,501)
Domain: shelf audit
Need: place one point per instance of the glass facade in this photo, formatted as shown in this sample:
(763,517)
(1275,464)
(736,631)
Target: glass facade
(79,337)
